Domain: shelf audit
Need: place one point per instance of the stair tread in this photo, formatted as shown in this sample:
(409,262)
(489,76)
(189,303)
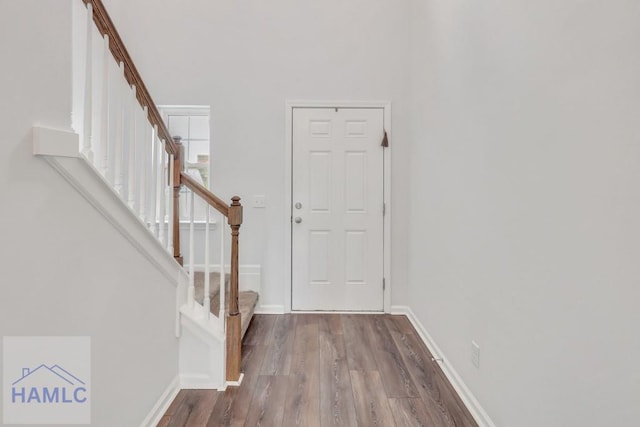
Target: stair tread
(247,300)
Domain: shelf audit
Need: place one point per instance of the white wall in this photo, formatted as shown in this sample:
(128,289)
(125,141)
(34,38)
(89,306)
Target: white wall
(519,123)
(64,269)
(526,148)
(245,59)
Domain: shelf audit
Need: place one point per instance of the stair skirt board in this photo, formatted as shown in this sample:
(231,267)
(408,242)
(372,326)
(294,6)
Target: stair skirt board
(61,150)
(202,352)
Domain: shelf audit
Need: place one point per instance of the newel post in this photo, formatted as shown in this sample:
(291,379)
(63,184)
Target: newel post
(233,316)
(178,167)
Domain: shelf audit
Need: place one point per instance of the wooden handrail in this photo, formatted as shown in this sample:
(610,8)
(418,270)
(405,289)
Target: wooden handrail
(120,53)
(213,200)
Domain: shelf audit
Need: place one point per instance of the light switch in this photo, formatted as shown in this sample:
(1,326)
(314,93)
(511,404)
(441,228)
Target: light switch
(259,201)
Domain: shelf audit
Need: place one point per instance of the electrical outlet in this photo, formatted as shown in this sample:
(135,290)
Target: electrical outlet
(475,354)
(259,201)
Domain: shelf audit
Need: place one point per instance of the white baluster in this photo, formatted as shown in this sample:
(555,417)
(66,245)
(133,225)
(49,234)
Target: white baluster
(145,149)
(192,255)
(207,279)
(162,187)
(223,286)
(87,143)
(132,160)
(170,200)
(154,182)
(105,144)
(119,137)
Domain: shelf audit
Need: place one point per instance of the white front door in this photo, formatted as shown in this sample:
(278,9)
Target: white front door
(337,209)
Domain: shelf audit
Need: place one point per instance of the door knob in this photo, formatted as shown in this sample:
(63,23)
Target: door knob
(298,205)
(298,220)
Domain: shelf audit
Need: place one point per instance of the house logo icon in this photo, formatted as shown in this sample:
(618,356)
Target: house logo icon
(46,380)
(48,384)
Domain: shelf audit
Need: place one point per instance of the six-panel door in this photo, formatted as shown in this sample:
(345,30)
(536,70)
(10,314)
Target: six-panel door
(337,214)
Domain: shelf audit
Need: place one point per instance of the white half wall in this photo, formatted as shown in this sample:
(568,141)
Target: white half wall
(65,271)
(525,210)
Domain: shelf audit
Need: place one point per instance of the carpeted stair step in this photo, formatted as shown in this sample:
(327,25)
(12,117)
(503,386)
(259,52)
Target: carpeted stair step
(247,300)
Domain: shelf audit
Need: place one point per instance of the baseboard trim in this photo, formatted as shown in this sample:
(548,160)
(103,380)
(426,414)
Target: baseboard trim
(469,400)
(196,382)
(269,309)
(157,412)
(235,383)
(336,312)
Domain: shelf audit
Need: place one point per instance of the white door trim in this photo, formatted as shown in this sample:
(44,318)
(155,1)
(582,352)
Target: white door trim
(289,106)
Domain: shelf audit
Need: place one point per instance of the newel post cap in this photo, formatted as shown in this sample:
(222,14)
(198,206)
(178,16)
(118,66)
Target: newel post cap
(235,212)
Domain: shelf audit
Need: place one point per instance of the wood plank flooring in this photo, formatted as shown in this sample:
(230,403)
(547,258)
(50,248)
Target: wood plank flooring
(328,370)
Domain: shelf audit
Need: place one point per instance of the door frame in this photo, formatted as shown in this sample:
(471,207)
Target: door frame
(290,105)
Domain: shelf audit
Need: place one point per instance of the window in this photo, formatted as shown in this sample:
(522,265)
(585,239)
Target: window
(191,124)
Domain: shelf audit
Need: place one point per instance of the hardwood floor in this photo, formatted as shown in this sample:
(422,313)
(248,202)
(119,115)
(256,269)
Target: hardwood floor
(328,370)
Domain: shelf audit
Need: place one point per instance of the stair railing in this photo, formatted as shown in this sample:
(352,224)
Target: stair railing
(233,214)
(130,145)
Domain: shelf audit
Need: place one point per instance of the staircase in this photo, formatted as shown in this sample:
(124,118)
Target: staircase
(121,156)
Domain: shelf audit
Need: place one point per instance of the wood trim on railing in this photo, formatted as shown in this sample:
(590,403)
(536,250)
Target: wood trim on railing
(213,200)
(178,166)
(234,321)
(120,53)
